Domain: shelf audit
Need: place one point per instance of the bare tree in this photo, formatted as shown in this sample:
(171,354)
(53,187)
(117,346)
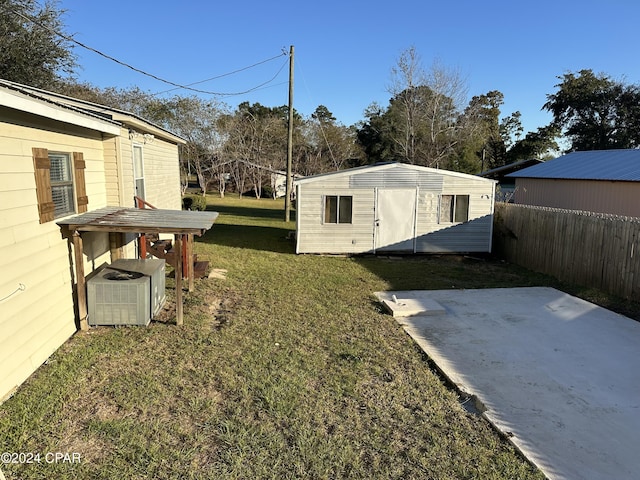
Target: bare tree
(239,173)
(427,106)
(406,76)
(255,137)
(449,95)
(196,120)
(222,175)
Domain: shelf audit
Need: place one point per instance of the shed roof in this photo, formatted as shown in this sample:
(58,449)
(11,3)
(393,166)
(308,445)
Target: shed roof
(137,220)
(612,165)
(387,166)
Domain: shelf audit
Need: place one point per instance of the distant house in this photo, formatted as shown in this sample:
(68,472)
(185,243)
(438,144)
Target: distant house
(60,157)
(507,185)
(394,207)
(279,182)
(603,181)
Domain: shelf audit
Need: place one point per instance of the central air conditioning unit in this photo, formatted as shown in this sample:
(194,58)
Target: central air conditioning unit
(127,292)
(154,268)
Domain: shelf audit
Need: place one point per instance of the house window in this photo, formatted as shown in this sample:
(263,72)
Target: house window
(60,183)
(338,208)
(138,170)
(60,175)
(454,208)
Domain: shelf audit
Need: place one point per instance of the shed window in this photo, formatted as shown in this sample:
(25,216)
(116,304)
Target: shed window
(454,208)
(60,184)
(338,208)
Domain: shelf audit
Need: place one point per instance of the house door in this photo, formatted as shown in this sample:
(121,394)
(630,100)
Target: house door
(395,219)
(138,171)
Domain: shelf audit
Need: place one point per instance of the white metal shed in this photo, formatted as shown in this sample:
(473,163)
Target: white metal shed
(394,207)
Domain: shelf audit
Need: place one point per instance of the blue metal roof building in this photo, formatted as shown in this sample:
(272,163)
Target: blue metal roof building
(603,181)
(615,165)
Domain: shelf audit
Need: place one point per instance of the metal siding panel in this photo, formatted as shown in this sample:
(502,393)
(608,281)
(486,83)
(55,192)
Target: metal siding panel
(617,198)
(471,236)
(316,237)
(397,178)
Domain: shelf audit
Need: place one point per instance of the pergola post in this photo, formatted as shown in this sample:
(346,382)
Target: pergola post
(81,292)
(142,246)
(190,262)
(178,274)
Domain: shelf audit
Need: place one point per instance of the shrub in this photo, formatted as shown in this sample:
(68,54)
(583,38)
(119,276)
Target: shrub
(267,191)
(194,202)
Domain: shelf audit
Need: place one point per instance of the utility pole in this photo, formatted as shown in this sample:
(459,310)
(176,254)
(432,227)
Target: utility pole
(287,199)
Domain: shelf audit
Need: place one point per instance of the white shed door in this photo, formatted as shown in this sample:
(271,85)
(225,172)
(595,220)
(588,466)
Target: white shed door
(395,219)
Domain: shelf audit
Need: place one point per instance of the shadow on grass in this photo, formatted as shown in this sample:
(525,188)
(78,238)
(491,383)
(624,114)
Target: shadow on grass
(257,211)
(250,224)
(441,272)
(271,239)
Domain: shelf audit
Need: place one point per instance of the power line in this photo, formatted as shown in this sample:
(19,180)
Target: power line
(176,85)
(230,73)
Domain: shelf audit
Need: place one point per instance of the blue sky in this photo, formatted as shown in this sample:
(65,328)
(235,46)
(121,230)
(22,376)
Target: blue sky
(344,50)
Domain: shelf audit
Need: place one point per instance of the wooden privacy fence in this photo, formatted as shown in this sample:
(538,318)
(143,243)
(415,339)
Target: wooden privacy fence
(584,248)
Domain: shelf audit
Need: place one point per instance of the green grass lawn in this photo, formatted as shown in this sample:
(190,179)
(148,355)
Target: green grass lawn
(286,369)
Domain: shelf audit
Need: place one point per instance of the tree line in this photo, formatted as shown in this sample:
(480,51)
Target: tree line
(241,147)
(428,120)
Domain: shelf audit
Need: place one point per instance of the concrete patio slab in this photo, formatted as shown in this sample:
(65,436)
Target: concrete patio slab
(406,307)
(556,374)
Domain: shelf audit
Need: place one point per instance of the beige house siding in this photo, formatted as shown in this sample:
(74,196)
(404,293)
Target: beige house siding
(112,175)
(126,171)
(37,311)
(161,172)
(613,197)
(161,178)
(35,321)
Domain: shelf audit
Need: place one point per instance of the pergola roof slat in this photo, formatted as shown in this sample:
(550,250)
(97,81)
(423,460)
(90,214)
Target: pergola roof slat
(137,220)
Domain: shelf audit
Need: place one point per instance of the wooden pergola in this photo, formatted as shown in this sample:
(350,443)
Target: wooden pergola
(182,224)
